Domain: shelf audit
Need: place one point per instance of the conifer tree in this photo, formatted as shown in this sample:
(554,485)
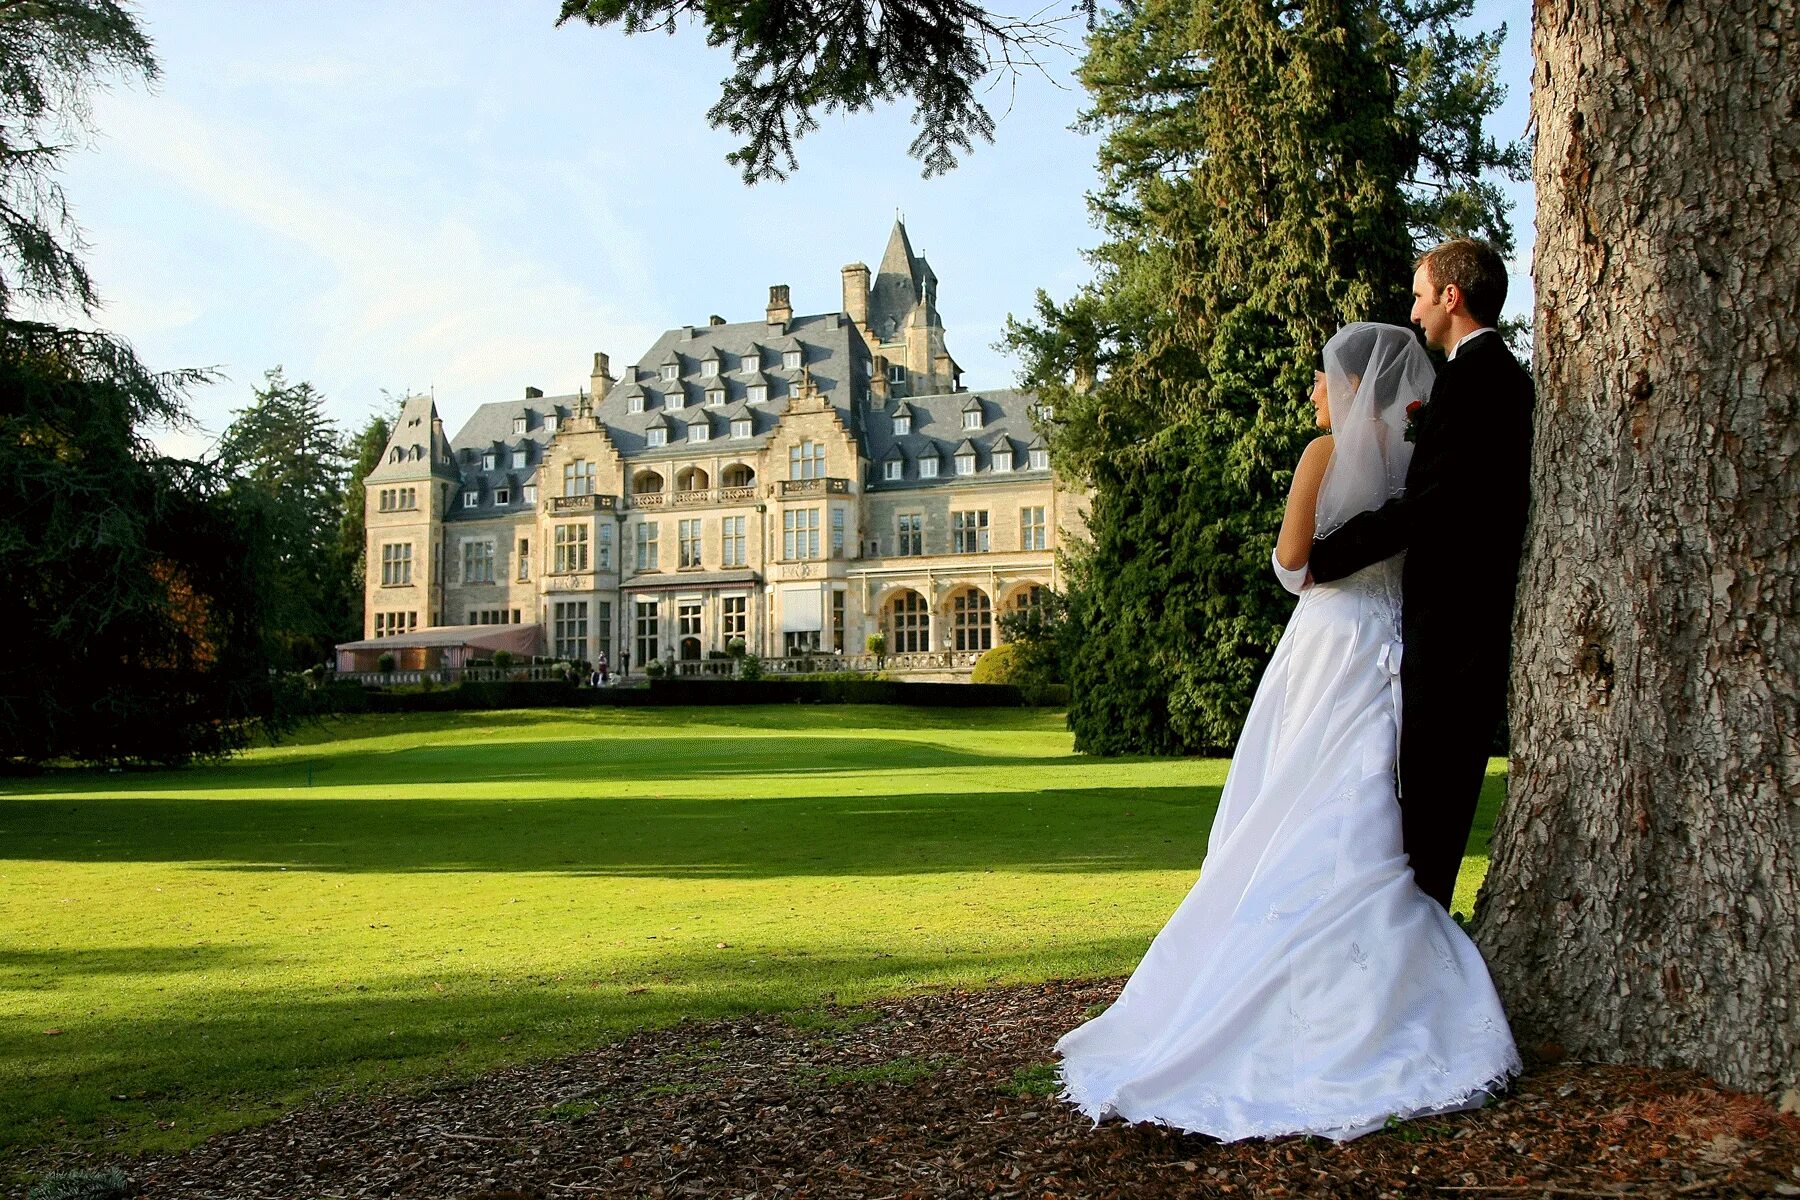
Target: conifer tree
(365,454)
(1267,171)
(286,456)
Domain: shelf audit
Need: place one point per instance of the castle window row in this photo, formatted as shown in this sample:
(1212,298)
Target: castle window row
(398,499)
(392,624)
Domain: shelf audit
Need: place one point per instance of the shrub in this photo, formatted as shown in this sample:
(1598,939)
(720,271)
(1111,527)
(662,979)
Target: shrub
(654,668)
(736,647)
(750,668)
(386,663)
(1005,663)
(81,1185)
(877,645)
(502,659)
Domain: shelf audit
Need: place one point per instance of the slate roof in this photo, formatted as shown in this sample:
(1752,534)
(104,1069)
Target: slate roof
(937,429)
(832,346)
(490,428)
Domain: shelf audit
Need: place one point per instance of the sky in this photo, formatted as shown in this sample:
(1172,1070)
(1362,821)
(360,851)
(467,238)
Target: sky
(462,198)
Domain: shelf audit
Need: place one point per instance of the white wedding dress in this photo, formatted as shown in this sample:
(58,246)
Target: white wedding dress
(1305,985)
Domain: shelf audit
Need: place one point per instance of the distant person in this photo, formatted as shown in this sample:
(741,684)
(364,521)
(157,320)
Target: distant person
(1306,985)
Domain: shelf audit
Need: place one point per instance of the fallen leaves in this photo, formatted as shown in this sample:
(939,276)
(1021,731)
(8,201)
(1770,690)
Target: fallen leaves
(948,1094)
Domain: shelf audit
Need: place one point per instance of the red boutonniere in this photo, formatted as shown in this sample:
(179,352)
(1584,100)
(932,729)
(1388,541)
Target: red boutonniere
(1412,420)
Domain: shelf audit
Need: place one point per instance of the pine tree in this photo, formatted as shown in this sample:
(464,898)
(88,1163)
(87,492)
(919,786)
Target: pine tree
(286,456)
(365,454)
(1262,178)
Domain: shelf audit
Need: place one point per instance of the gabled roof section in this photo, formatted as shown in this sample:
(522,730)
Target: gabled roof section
(417,448)
(972,404)
(964,447)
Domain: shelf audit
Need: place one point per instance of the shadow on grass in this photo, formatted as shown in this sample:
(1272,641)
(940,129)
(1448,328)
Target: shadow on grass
(478,758)
(1095,829)
(171,1079)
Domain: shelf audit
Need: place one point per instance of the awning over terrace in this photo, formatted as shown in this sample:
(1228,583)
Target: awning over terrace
(441,646)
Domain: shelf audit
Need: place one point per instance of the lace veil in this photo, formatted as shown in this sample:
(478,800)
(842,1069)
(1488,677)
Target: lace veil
(1372,374)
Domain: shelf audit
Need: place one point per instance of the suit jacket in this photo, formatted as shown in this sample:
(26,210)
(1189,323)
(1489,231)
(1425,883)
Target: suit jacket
(1462,518)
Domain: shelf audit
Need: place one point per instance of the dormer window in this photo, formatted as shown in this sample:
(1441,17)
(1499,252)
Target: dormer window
(928,467)
(700,431)
(1000,459)
(502,495)
(1040,460)
(740,427)
(757,393)
(550,423)
(965,464)
(528,493)
(518,426)
(751,362)
(635,403)
(518,459)
(657,437)
(676,399)
(894,469)
(1043,412)
(709,369)
(791,359)
(471,499)
(896,372)
(972,419)
(489,461)
(670,372)
(397,455)
(902,424)
(715,397)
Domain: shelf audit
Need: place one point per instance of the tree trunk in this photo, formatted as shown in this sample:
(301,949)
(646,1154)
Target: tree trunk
(1644,898)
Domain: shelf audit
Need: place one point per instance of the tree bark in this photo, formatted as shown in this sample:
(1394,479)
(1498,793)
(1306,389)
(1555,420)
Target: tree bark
(1644,898)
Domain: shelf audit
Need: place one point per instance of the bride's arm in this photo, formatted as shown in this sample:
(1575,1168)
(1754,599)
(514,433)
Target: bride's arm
(1294,543)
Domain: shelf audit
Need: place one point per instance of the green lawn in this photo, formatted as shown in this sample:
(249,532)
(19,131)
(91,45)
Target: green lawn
(398,898)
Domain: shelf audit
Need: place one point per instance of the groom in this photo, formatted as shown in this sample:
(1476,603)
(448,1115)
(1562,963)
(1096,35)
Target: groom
(1461,522)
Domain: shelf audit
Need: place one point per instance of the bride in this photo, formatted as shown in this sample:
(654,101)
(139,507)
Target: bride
(1306,985)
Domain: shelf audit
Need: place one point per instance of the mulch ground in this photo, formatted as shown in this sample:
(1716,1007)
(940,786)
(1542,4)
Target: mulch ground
(943,1094)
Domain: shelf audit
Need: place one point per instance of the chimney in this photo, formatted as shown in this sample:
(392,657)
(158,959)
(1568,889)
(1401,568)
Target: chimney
(602,377)
(780,311)
(878,380)
(532,393)
(856,294)
(715,319)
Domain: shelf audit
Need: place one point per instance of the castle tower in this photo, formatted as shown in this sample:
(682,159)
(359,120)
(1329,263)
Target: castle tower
(900,320)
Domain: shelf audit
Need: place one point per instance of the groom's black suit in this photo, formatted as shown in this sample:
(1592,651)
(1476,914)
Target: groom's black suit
(1462,525)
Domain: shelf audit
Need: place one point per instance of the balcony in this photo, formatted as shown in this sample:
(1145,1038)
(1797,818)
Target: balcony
(696,497)
(815,487)
(567,505)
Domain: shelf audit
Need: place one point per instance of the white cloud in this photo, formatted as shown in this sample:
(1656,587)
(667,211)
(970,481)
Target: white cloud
(412,296)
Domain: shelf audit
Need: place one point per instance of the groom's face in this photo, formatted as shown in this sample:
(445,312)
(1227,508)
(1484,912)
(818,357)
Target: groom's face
(1431,309)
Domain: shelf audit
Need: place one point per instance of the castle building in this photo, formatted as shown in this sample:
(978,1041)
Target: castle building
(797,482)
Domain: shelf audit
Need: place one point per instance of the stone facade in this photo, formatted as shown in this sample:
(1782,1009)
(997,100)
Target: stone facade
(799,482)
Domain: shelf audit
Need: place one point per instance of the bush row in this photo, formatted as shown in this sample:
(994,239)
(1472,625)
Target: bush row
(669,693)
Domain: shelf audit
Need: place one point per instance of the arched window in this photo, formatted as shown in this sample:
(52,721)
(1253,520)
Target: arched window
(738,475)
(646,482)
(692,479)
(972,620)
(909,624)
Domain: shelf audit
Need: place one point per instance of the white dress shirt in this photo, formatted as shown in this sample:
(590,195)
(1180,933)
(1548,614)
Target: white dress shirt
(1467,337)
